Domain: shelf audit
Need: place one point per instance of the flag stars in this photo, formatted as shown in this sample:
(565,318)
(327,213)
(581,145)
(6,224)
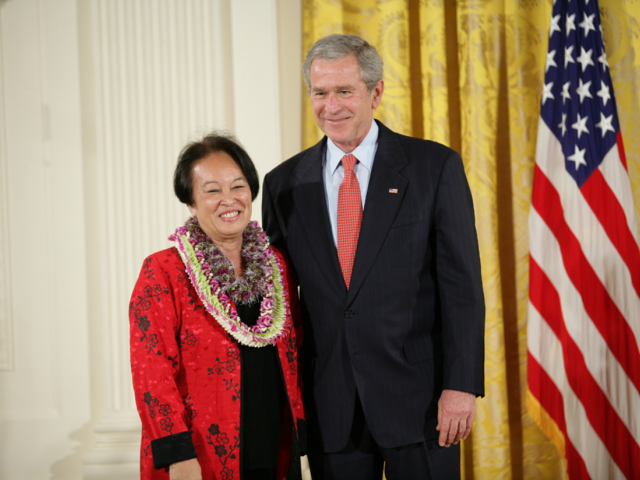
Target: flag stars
(605,124)
(555,21)
(587,24)
(603,60)
(568,56)
(570,23)
(583,89)
(570,120)
(581,125)
(562,125)
(565,91)
(550,61)
(604,93)
(585,58)
(546,92)
(578,157)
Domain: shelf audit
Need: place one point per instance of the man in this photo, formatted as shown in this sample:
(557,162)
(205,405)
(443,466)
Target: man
(384,245)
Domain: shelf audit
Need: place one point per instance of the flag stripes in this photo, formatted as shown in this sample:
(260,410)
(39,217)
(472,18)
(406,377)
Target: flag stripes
(582,331)
(602,311)
(546,392)
(592,278)
(584,276)
(623,157)
(603,203)
(603,418)
(614,171)
(596,246)
(578,432)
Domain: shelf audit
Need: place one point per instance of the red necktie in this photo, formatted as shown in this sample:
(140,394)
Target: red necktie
(349,217)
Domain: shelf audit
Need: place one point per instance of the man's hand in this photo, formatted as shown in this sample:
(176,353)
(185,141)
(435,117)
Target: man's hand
(187,470)
(455,416)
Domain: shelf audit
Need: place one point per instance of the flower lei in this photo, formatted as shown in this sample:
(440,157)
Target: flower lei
(211,274)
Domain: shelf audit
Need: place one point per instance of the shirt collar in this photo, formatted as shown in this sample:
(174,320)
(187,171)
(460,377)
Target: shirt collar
(363,152)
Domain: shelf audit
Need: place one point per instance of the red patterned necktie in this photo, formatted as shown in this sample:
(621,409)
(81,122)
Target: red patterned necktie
(349,217)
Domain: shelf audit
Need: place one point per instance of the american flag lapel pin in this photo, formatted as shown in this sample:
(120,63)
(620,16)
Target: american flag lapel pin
(393,190)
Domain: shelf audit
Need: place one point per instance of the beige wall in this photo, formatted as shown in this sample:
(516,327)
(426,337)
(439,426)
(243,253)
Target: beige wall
(96,99)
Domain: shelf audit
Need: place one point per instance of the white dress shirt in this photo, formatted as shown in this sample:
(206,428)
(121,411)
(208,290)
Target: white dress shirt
(333,172)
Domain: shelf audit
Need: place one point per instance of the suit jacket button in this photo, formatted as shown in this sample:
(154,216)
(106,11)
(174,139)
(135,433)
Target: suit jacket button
(348,314)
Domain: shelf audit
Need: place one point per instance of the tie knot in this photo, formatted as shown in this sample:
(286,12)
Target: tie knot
(348,161)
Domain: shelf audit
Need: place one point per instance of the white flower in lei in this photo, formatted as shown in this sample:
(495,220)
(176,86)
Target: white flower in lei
(211,274)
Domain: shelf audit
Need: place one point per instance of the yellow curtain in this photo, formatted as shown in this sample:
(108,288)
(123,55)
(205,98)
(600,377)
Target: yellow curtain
(469,74)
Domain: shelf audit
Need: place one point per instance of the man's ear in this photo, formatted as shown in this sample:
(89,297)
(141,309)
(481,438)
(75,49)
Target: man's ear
(377,94)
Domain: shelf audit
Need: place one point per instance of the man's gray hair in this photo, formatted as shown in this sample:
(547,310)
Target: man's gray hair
(336,47)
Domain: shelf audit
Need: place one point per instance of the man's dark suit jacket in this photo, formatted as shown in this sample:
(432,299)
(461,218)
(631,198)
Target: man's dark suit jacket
(412,322)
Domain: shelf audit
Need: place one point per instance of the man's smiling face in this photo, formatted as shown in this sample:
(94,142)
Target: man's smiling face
(342,105)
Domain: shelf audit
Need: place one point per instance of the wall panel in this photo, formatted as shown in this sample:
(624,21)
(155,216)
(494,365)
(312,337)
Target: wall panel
(44,387)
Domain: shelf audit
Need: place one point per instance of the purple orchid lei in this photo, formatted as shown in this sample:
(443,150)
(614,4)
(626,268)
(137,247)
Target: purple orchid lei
(211,274)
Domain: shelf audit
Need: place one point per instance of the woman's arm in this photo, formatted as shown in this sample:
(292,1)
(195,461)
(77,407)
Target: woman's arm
(155,362)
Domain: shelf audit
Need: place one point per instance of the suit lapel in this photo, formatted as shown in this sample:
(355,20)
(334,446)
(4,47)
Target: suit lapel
(309,195)
(380,205)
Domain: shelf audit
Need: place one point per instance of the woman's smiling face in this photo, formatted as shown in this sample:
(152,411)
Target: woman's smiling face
(221,197)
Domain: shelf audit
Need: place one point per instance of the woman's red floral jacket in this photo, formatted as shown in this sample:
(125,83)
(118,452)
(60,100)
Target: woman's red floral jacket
(186,373)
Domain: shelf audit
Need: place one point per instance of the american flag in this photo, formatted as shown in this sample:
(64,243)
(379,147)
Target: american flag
(584,280)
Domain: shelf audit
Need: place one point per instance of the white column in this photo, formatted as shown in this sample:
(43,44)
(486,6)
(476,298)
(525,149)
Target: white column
(44,374)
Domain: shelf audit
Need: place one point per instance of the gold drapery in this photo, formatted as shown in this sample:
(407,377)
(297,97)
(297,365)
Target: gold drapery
(469,74)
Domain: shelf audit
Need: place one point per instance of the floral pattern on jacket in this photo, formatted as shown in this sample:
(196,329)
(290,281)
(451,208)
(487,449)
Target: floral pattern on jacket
(186,369)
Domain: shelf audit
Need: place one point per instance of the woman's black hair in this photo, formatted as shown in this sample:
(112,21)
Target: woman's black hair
(212,143)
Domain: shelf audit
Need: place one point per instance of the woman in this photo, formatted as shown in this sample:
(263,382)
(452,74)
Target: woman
(215,333)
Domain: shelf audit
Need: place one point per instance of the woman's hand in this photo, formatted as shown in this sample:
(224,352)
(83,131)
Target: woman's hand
(187,470)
